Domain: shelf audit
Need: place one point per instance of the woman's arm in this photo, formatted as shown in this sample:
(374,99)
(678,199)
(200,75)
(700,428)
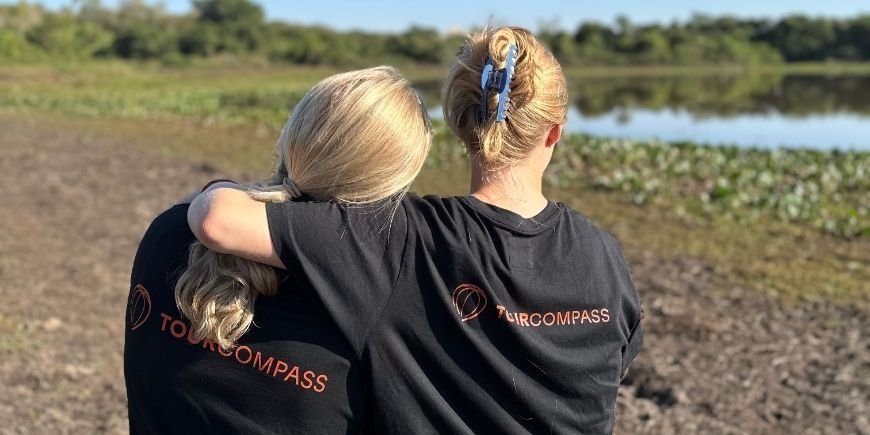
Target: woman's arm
(225,219)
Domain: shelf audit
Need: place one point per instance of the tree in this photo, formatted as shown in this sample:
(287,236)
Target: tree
(145,42)
(203,39)
(652,45)
(62,35)
(595,35)
(625,35)
(594,43)
(241,24)
(14,47)
(418,44)
(560,43)
(229,11)
(857,35)
(800,38)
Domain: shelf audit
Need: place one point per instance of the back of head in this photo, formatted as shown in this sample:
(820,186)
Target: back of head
(356,138)
(538,97)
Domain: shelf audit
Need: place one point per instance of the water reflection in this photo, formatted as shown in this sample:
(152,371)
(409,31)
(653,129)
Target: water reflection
(764,110)
(723,96)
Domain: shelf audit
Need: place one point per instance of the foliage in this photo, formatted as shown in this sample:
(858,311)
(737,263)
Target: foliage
(14,47)
(136,30)
(62,35)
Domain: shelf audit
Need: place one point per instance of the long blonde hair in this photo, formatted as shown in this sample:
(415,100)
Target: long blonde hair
(538,97)
(355,138)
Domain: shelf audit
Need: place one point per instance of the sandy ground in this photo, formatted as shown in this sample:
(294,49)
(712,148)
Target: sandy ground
(73,209)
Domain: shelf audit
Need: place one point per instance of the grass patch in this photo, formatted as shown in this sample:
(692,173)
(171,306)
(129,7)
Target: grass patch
(228,95)
(14,335)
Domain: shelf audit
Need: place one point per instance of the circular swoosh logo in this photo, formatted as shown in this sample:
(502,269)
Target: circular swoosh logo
(140,306)
(469,301)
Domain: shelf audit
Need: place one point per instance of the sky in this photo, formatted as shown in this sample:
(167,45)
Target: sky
(446,15)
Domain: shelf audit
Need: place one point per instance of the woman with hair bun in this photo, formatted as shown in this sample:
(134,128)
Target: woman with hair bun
(507,313)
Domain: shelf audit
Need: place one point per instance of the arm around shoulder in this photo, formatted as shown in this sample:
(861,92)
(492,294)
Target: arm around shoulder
(227,220)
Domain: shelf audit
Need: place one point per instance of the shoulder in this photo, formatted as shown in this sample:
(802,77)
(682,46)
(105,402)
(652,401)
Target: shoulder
(582,225)
(438,221)
(584,228)
(434,206)
(316,208)
(164,245)
(433,212)
(301,228)
(316,215)
(169,225)
(430,201)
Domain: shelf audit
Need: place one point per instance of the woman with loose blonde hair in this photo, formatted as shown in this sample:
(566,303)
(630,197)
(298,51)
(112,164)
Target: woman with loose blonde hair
(501,311)
(356,140)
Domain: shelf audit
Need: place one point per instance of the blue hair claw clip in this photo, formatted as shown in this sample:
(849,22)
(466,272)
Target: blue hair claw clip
(485,82)
(497,80)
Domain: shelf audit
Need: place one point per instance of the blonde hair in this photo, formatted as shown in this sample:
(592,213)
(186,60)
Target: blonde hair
(357,137)
(538,97)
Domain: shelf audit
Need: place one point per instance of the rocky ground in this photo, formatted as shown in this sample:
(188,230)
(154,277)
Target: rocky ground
(716,360)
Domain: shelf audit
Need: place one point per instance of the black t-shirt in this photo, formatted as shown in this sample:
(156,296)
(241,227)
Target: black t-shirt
(469,318)
(293,372)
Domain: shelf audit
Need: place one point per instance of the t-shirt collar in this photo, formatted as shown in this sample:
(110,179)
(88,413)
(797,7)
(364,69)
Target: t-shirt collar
(513,221)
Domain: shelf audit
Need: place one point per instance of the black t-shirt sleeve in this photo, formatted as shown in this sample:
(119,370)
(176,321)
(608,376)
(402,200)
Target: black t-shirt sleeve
(349,255)
(632,311)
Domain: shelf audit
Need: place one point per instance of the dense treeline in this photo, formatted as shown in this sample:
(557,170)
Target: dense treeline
(709,40)
(136,30)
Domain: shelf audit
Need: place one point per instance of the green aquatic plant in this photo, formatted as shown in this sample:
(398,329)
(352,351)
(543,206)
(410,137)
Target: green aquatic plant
(828,189)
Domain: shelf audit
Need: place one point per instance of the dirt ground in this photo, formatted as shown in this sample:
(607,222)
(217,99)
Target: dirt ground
(74,206)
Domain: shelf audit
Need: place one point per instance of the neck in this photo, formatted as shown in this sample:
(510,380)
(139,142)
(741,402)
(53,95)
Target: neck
(516,188)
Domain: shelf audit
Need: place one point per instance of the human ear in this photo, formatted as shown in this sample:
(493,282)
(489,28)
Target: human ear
(554,135)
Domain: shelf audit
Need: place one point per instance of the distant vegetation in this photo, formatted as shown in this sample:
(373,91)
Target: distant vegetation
(135,30)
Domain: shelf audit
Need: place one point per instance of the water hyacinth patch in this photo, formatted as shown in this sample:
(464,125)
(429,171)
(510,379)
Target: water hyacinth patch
(828,189)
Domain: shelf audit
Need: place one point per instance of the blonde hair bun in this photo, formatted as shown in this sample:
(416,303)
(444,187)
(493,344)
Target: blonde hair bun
(538,96)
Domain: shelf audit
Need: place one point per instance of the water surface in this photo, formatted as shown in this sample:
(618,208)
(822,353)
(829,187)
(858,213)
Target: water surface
(765,111)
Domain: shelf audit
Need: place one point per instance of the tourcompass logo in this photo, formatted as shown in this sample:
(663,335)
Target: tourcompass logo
(469,301)
(139,307)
